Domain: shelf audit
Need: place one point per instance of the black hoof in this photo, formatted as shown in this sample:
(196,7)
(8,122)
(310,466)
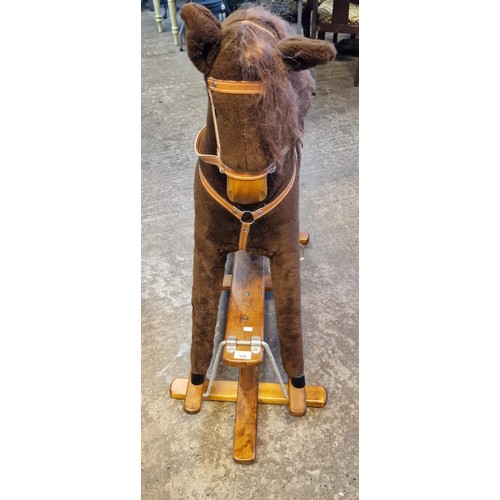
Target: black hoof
(299,382)
(197,379)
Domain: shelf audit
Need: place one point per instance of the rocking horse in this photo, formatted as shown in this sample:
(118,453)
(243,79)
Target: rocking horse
(246,194)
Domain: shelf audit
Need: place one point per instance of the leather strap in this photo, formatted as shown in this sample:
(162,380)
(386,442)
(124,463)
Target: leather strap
(246,217)
(234,87)
(242,187)
(215,160)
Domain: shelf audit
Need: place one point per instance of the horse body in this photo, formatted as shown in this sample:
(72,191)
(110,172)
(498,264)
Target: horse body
(254,131)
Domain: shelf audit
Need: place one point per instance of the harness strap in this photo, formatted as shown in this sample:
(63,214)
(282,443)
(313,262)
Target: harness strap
(234,87)
(217,162)
(246,217)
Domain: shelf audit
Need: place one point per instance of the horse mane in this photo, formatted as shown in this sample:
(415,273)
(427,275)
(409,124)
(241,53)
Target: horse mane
(287,94)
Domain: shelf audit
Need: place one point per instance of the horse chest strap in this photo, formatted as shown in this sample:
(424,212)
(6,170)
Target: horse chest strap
(244,232)
(246,217)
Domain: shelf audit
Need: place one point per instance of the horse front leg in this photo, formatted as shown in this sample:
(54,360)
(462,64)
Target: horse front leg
(285,272)
(208,275)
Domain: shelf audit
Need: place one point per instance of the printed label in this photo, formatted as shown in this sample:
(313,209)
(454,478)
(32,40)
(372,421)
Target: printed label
(248,328)
(242,355)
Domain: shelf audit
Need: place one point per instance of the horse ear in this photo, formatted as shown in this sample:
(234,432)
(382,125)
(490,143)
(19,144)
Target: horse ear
(302,53)
(203,35)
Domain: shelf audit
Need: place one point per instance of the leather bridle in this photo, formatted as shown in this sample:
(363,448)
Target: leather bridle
(246,217)
(254,185)
(258,180)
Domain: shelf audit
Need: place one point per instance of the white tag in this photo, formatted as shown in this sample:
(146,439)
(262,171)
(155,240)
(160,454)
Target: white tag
(242,355)
(248,328)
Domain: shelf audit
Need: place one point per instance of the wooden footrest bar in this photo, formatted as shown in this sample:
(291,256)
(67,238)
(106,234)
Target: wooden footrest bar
(269,393)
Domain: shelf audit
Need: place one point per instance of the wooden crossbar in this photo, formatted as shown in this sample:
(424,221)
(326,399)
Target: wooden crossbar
(268,394)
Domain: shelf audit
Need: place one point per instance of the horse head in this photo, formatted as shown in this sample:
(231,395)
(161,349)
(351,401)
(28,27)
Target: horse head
(255,129)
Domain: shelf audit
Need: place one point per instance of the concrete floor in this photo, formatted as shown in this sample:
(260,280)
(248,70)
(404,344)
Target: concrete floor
(190,457)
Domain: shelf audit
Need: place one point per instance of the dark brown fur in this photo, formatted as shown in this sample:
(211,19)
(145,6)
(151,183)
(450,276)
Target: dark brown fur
(254,132)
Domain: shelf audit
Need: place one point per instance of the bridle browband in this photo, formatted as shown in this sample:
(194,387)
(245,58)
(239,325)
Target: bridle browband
(234,87)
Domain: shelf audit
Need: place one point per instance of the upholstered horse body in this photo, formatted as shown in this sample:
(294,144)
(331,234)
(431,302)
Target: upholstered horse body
(254,132)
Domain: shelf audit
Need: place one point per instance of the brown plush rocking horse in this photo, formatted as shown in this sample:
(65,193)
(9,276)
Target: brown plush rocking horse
(247,201)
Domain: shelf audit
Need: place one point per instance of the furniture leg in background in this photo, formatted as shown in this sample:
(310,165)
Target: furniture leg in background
(341,21)
(299,17)
(156,4)
(172,10)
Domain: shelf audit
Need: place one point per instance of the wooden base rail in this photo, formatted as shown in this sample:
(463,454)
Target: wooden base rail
(268,393)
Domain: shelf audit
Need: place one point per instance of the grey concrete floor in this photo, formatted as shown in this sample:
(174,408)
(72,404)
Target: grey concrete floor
(190,457)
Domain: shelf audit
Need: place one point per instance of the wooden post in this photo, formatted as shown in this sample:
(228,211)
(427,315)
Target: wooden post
(245,320)
(245,426)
